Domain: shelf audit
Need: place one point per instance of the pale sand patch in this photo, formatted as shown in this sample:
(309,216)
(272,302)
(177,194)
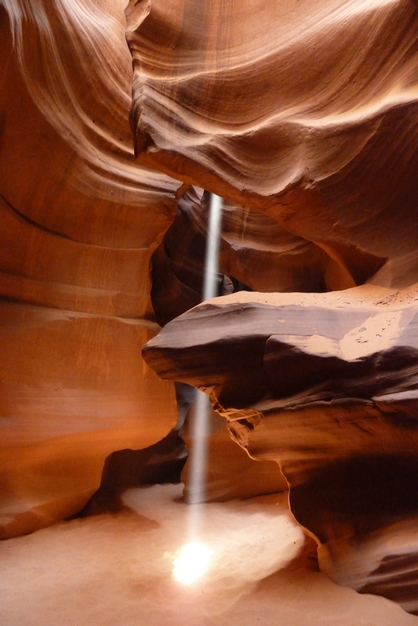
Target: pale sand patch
(115,570)
(376,333)
(363,296)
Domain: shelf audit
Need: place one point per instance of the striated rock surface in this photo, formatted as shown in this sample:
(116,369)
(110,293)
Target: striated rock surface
(80,220)
(228,472)
(305,113)
(303,116)
(305,110)
(326,385)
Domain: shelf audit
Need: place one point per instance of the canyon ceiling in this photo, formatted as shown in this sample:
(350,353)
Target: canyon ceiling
(302,116)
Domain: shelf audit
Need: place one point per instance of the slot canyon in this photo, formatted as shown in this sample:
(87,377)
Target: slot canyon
(120,121)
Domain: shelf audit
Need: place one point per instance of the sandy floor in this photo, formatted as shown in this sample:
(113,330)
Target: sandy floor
(116,570)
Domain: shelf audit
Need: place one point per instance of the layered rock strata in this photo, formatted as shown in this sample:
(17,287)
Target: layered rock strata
(303,112)
(306,111)
(227,471)
(326,385)
(80,221)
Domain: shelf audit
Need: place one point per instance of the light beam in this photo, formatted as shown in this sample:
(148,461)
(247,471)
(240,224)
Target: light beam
(193,558)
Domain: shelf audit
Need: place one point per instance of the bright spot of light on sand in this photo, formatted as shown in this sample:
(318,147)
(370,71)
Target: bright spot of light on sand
(117,570)
(191,562)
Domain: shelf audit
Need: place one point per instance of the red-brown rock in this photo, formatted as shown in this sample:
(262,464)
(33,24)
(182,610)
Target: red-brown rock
(306,112)
(80,220)
(326,385)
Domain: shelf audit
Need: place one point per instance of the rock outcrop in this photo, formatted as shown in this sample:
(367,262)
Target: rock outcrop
(227,471)
(326,385)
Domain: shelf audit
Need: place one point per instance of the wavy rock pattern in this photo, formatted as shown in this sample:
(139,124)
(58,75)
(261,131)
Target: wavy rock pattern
(306,112)
(80,220)
(303,116)
(326,385)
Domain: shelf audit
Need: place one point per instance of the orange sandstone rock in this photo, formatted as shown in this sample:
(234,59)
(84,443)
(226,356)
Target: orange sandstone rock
(326,385)
(303,110)
(80,220)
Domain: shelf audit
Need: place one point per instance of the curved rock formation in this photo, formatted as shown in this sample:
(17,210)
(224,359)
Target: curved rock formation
(80,220)
(306,111)
(326,385)
(256,254)
(302,115)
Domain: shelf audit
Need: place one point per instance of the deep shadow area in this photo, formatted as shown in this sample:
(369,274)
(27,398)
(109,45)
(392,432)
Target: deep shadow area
(357,495)
(158,464)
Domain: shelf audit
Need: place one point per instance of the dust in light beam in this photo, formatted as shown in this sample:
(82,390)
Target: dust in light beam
(193,558)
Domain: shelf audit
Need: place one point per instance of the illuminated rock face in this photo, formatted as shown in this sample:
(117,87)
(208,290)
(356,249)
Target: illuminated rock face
(306,112)
(326,385)
(302,115)
(79,223)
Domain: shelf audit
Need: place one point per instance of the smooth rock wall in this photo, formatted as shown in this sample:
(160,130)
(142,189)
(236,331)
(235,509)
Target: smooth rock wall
(80,220)
(306,111)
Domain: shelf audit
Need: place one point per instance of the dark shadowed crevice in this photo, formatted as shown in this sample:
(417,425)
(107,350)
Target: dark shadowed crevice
(158,464)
